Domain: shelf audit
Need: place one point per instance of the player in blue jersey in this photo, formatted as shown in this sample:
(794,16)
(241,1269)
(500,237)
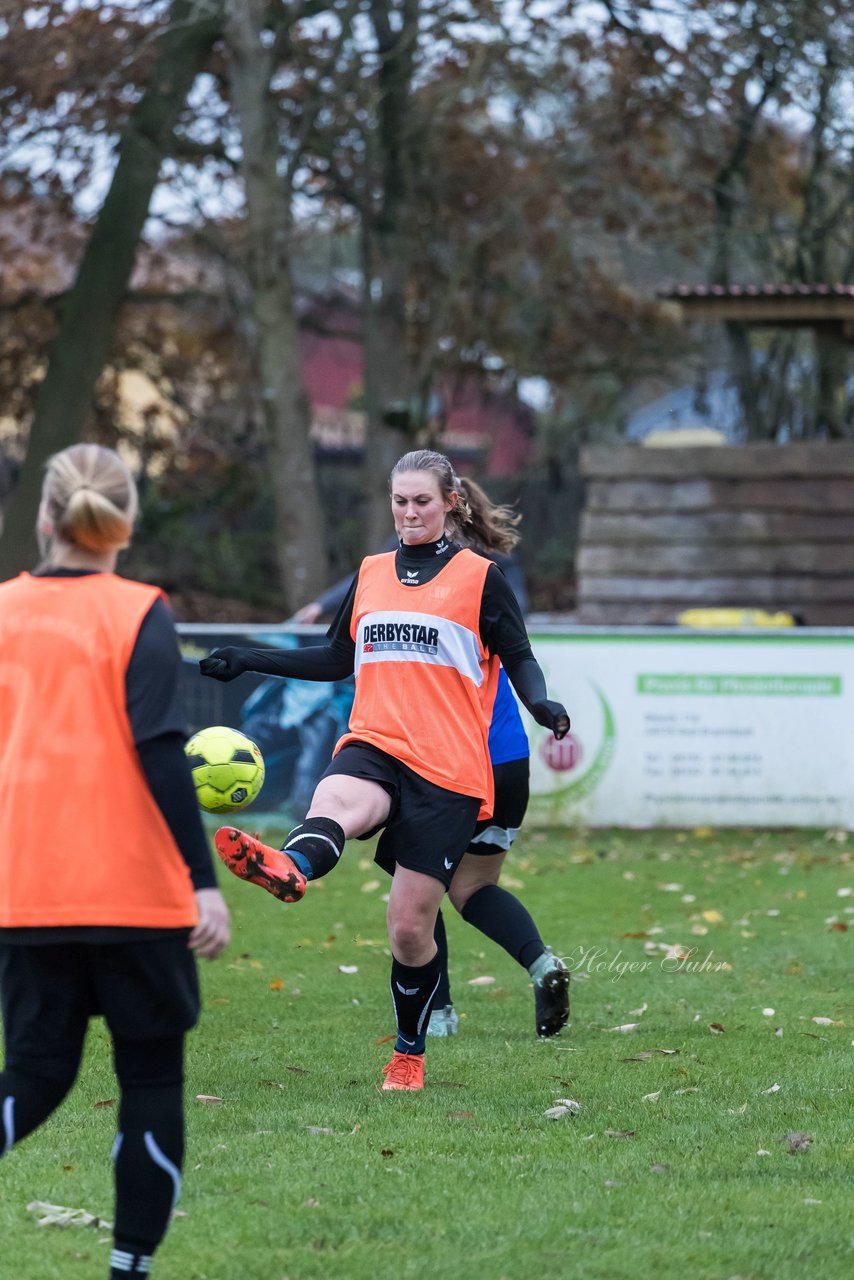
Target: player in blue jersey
(481,900)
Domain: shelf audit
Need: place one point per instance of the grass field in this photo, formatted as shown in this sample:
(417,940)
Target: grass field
(677,1163)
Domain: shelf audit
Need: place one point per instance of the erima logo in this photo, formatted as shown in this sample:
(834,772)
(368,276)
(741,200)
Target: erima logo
(407,991)
(442,547)
(448,865)
(412,573)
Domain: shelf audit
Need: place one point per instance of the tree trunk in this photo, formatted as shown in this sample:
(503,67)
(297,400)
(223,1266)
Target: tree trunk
(83,341)
(387,381)
(300,527)
(388,372)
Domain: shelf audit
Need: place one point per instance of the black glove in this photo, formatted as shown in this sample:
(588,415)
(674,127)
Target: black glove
(551,715)
(224,664)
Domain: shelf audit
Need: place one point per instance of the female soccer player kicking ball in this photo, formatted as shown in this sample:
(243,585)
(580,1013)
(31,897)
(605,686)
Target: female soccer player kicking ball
(424,629)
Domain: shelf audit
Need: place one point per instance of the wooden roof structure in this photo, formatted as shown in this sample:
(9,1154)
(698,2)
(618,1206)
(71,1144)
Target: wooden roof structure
(826,307)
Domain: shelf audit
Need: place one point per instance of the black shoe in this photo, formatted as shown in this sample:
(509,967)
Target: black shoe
(551,996)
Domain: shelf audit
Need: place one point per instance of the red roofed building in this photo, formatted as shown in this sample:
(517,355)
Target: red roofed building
(480,424)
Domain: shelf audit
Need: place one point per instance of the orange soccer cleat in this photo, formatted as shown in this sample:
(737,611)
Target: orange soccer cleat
(405,1071)
(251,860)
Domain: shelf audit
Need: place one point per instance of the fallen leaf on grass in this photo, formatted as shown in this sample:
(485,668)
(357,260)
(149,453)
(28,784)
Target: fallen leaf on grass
(670,888)
(648,1053)
(713,917)
(768,1013)
(108,1102)
(774,1088)
(370,886)
(611,1182)
(659,1168)
(563,1107)
(318,1128)
(483,981)
(809,1200)
(619,1133)
(385,1039)
(277,984)
(57,1215)
(460,1115)
(841,927)
(311,1204)
(651,1097)
(763,1152)
(207,1098)
(636,1013)
(625,1026)
(348,968)
(798,1142)
(691,1088)
(716,1029)
(827,1022)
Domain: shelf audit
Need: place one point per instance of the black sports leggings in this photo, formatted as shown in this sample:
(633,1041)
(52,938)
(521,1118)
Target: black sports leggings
(149,1147)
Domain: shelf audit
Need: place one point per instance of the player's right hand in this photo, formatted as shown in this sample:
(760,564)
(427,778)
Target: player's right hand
(224,664)
(213,930)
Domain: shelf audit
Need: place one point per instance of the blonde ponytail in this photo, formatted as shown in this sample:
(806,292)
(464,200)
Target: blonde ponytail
(90,497)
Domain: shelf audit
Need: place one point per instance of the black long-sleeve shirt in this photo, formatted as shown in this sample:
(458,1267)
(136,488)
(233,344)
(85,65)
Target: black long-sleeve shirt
(502,630)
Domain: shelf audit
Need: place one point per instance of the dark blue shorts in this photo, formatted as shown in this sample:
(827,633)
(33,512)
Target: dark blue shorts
(496,834)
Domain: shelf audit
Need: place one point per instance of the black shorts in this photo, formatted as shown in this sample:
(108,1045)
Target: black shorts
(496,834)
(428,829)
(143,989)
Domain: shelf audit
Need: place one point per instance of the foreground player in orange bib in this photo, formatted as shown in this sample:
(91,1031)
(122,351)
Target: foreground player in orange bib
(423,628)
(107,885)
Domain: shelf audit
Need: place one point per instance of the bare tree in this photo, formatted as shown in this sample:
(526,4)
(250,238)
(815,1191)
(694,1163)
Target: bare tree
(256,50)
(84,337)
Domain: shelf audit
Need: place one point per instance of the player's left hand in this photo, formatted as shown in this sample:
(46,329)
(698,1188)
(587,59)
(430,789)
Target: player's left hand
(552,715)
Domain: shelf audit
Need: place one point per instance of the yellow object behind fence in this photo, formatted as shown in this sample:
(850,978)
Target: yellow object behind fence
(734,618)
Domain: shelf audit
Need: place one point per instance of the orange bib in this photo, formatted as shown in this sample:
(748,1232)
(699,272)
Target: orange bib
(84,842)
(425,684)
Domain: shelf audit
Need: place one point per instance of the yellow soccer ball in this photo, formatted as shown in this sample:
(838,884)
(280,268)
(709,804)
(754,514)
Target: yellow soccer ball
(227,768)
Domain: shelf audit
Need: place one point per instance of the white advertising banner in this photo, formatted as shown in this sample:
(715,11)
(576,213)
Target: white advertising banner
(672,727)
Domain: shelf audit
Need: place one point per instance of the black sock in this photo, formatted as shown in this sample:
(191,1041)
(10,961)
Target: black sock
(315,846)
(413,989)
(148,1154)
(129,1259)
(500,916)
(443,991)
